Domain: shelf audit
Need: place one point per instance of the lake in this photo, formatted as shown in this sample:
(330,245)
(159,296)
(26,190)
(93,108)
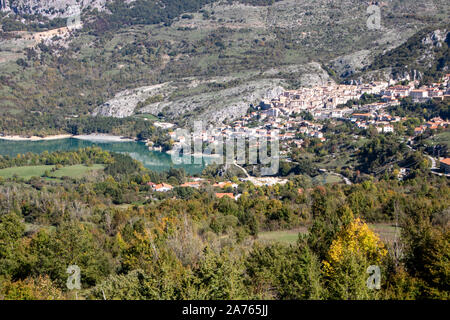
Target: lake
(153,160)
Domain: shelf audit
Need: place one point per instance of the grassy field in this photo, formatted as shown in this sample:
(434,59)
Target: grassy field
(24,172)
(385,231)
(327,178)
(76,171)
(441,138)
(147,116)
(283,236)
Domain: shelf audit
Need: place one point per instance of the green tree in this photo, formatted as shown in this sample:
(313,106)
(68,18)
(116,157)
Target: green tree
(72,244)
(219,277)
(11,232)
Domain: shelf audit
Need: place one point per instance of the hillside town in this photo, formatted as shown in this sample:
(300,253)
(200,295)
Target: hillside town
(215,158)
(287,115)
(298,114)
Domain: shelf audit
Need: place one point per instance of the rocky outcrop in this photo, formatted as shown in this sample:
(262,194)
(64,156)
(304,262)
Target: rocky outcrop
(432,41)
(348,65)
(212,100)
(54,8)
(306,74)
(214,106)
(435,38)
(124,103)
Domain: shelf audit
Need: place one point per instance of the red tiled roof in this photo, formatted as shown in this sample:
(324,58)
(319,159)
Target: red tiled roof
(163,185)
(190,184)
(362,114)
(221,195)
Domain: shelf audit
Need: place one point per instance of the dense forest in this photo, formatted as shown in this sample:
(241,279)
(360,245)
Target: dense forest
(133,243)
(426,110)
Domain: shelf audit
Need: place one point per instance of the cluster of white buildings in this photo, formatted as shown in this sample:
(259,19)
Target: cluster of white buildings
(381,120)
(440,90)
(324,97)
(267,127)
(282,114)
(433,124)
(322,101)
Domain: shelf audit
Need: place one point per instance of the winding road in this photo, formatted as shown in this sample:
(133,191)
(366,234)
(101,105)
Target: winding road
(434,165)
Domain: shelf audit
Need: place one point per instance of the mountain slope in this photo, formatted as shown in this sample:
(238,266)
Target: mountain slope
(283,43)
(424,56)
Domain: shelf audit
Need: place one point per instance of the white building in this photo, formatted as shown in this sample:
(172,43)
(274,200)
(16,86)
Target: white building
(387,129)
(418,94)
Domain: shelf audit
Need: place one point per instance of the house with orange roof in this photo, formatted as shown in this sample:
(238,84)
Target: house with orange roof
(445,165)
(220,184)
(221,195)
(163,187)
(419,130)
(193,184)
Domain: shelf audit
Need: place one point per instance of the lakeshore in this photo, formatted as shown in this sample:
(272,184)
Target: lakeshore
(154,160)
(103,138)
(89,137)
(35,138)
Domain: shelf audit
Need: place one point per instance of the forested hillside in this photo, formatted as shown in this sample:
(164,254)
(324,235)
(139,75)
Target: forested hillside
(362,182)
(425,56)
(134,243)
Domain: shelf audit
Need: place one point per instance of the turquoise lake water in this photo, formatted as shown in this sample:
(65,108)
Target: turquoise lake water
(153,160)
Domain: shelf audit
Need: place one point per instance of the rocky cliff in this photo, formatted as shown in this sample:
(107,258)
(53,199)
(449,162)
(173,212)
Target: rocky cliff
(53,8)
(214,99)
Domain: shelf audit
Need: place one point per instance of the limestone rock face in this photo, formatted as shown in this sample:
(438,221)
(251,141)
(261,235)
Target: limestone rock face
(125,102)
(432,41)
(210,106)
(435,38)
(211,100)
(54,8)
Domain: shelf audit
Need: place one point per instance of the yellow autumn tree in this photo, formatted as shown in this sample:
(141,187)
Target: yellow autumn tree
(40,288)
(354,249)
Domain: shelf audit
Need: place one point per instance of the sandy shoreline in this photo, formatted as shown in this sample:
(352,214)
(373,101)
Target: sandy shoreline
(35,138)
(89,137)
(102,137)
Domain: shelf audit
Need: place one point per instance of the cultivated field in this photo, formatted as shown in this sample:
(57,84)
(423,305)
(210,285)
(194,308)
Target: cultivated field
(26,173)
